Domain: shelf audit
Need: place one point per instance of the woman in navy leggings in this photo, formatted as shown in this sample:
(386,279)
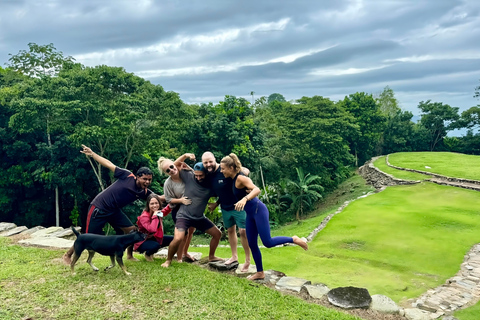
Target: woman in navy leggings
(257,222)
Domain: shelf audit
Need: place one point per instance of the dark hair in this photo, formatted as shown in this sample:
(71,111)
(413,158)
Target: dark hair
(144,171)
(152,195)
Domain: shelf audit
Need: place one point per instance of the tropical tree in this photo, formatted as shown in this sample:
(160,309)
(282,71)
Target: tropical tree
(227,127)
(438,119)
(304,192)
(275,97)
(311,133)
(371,123)
(39,60)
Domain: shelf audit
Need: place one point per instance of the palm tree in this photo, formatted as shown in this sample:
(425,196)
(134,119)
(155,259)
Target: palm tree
(253,97)
(304,192)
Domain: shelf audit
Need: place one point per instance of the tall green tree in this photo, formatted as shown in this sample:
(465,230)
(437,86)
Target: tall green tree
(371,122)
(310,134)
(438,119)
(38,107)
(227,127)
(398,129)
(39,60)
(275,97)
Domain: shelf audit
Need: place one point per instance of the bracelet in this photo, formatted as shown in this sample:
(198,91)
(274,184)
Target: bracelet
(246,198)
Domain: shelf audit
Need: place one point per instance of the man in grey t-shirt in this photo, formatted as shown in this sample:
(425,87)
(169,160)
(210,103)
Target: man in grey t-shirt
(193,215)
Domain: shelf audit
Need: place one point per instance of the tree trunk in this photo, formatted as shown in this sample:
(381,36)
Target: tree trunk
(57,208)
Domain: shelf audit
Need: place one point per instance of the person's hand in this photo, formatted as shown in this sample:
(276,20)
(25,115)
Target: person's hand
(240,204)
(87,151)
(186,201)
(212,206)
(191,156)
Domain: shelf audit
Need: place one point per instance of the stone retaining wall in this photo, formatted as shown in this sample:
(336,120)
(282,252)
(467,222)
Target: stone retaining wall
(439,176)
(378,178)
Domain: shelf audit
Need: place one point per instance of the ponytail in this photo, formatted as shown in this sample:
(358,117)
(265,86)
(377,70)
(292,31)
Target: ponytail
(232,161)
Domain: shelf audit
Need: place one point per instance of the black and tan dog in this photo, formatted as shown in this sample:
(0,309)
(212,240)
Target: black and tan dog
(112,246)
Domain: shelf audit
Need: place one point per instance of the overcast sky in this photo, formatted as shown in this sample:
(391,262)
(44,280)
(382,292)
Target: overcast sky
(205,50)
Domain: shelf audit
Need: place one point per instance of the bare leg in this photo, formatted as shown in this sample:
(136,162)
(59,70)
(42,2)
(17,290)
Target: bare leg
(148,258)
(180,249)
(172,248)
(300,242)
(232,239)
(130,248)
(257,276)
(246,248)
(72,264)
(188,239)
(216,235)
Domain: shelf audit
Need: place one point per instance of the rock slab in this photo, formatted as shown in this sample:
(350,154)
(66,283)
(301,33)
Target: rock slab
(316,291)
(13,231)
(349,297)
(291,283)
(4,226)
(384,304)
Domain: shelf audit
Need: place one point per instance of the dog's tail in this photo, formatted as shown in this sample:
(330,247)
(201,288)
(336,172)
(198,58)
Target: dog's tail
(75,231)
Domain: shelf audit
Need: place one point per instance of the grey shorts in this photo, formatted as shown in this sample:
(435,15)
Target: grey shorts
(203,224)
(234,217)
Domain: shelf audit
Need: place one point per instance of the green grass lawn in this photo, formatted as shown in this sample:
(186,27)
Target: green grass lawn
(471,313)
(34,284)
(445,163)
(381,164)
(399,242)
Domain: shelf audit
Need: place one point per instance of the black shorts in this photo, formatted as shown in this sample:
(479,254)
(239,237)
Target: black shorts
(97,219)
(203,224)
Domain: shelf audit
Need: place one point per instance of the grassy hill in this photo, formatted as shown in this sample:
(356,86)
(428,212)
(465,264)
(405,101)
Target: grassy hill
(34,284)
(399,242)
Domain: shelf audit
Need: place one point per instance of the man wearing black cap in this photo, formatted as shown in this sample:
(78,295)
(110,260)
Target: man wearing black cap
(192,215)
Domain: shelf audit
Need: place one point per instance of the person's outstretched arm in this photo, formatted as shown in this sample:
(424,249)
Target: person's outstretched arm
(104,162)
(181,160)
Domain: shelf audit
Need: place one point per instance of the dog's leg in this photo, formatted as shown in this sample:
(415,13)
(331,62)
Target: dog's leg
(91,253)
(120,263)
(112,264)
(74,260)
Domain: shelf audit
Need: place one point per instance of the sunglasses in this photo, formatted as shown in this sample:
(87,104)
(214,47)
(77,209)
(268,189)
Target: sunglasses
(169,168)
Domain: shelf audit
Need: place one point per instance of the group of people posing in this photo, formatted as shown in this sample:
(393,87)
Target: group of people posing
(187,192)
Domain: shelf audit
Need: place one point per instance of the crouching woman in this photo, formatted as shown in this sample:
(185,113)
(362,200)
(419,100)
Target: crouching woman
(150,222)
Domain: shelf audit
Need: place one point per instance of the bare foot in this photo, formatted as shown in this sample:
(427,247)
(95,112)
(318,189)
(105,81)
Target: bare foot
(213,259)
(132,258)
(300,242)
(188,258)
(245,267)
(257,276)
(231,260)
(148,258)
(166,264)
(67,259)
